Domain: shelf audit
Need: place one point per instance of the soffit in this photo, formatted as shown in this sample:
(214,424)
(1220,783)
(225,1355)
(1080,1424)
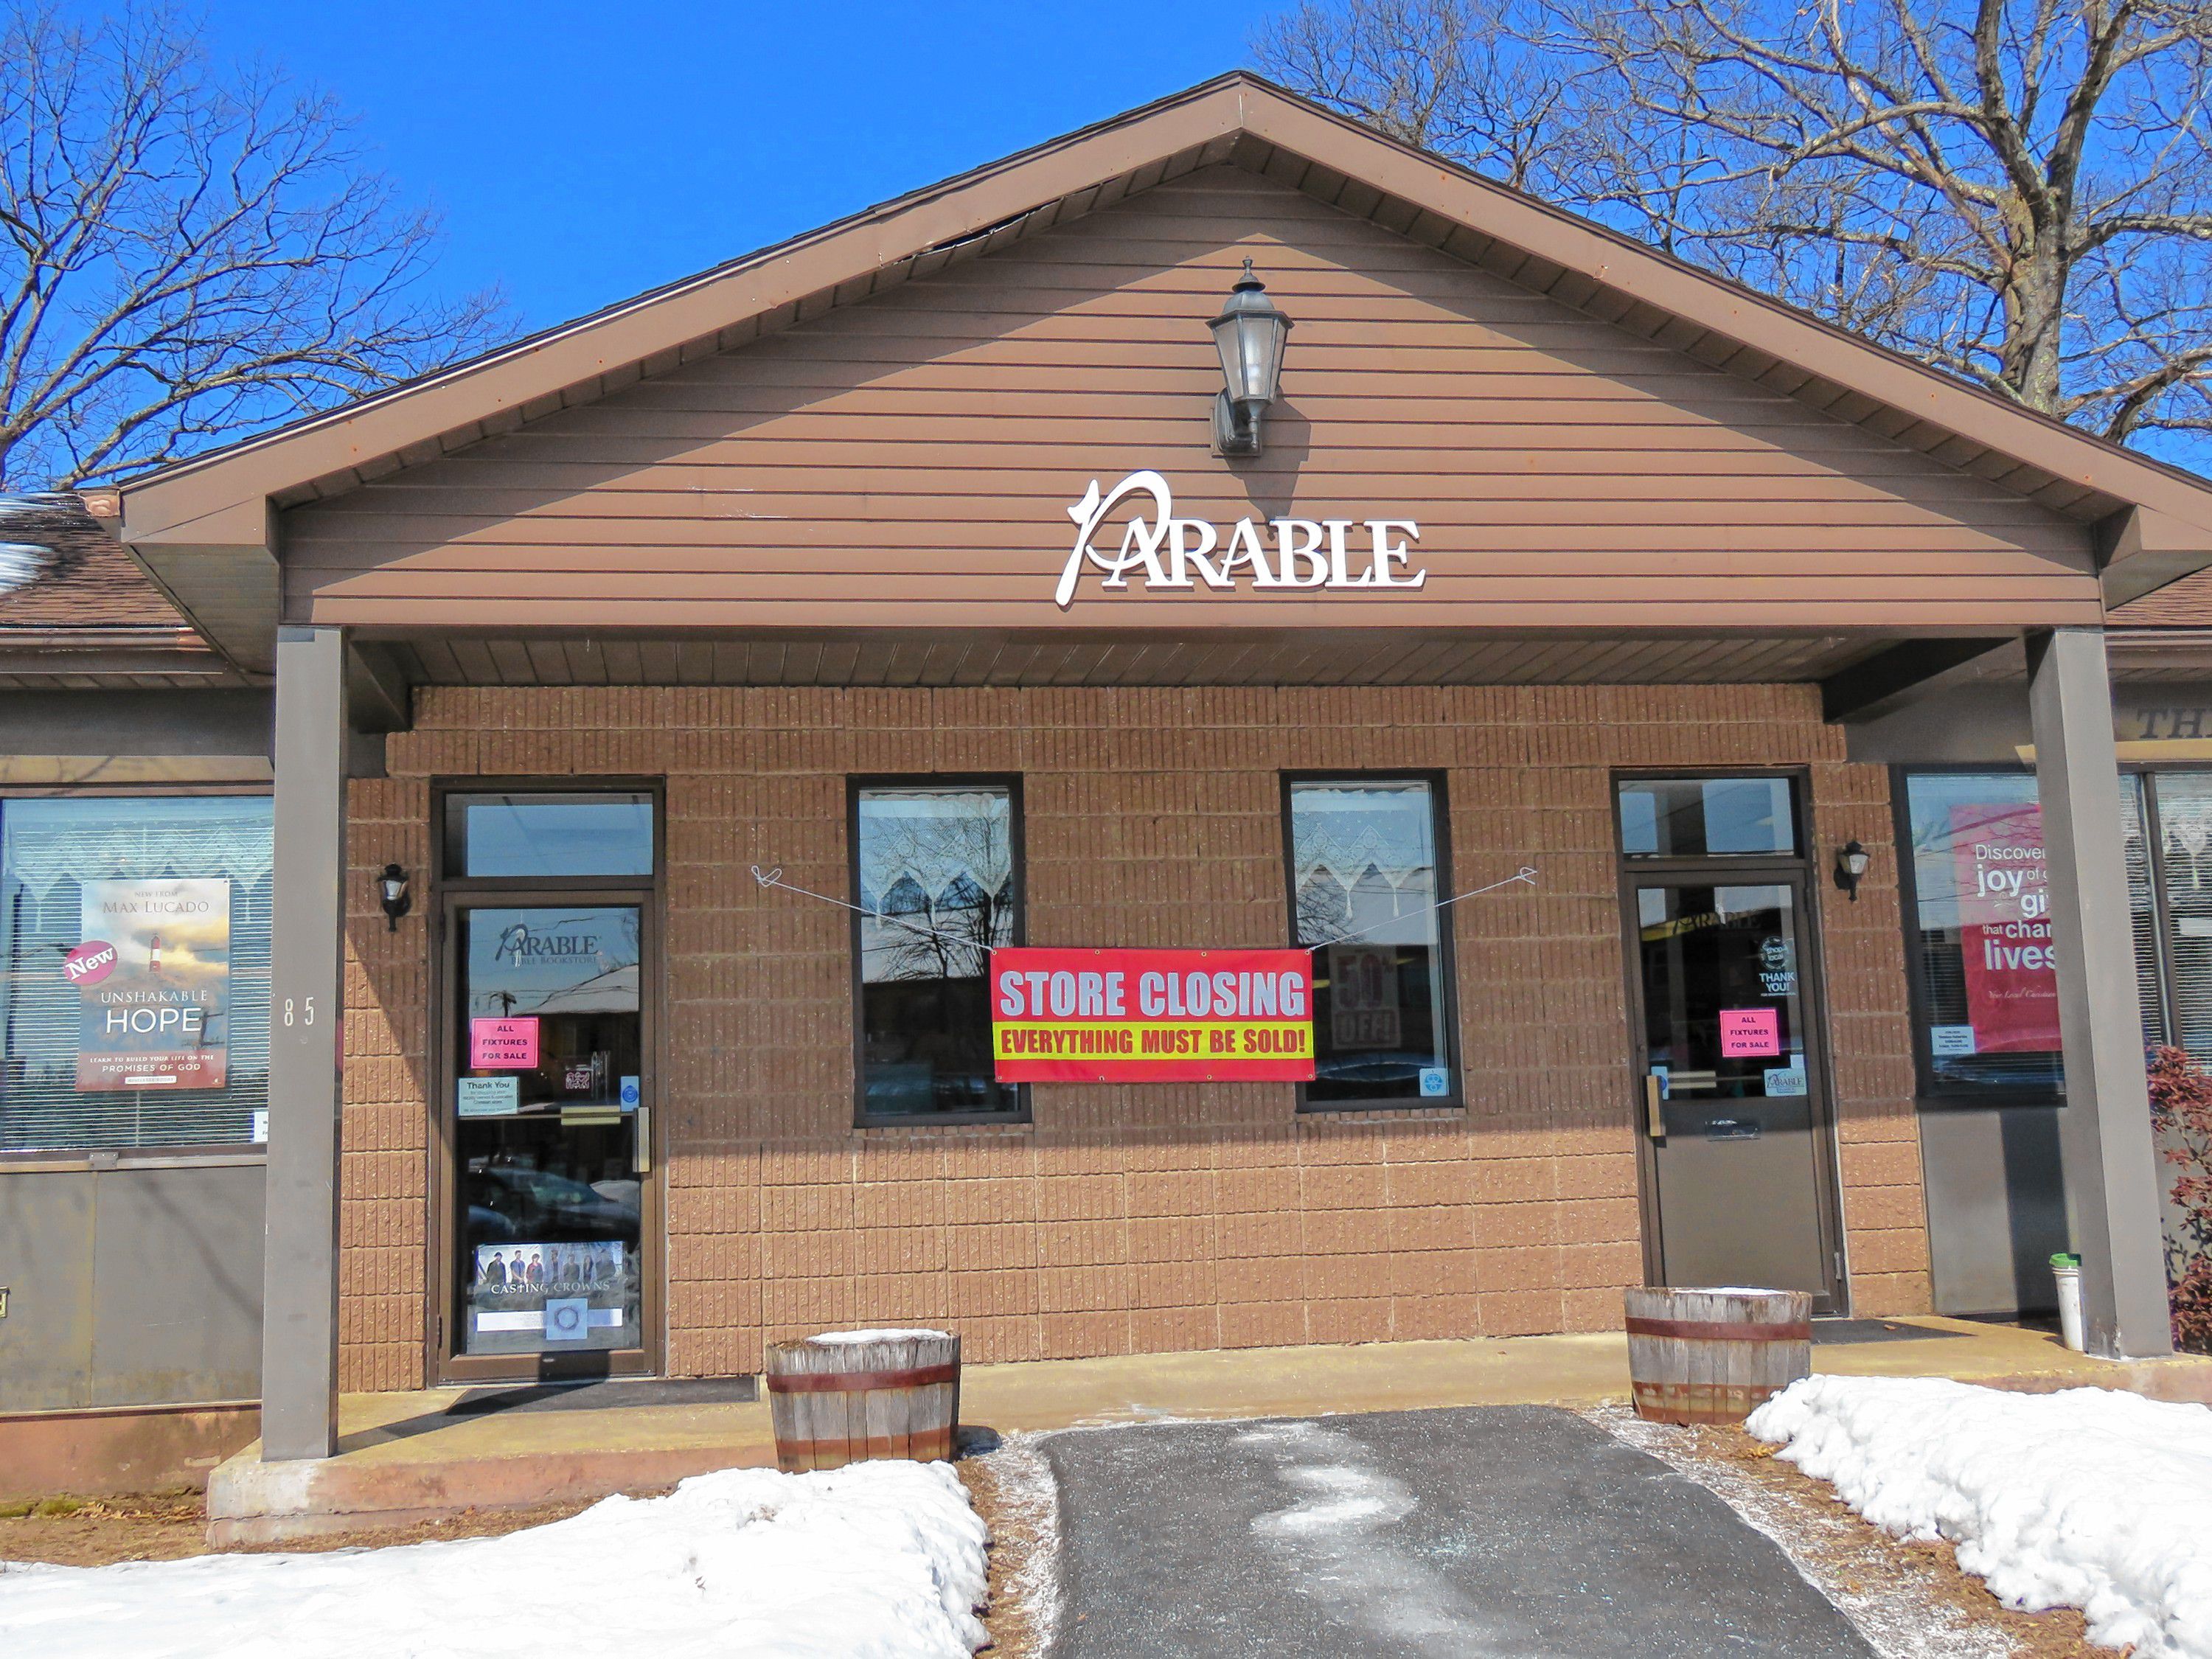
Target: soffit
(1398,658)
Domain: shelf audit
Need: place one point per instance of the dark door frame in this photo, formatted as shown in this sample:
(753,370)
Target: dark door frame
(442,1364)
(1738,870)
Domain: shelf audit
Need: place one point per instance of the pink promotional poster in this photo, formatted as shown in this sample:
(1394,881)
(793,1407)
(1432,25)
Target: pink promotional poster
(2004,928)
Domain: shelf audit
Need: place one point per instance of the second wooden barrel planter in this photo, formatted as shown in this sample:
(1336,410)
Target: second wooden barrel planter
(847,1396)
(1715,1356)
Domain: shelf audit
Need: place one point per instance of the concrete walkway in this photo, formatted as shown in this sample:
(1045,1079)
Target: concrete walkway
(403,1458)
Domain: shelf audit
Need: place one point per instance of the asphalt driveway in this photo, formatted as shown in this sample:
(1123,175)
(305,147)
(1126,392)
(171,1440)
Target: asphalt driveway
(1519,1530)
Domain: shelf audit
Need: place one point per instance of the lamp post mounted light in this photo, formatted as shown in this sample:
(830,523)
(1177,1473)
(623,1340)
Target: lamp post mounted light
(1249,335)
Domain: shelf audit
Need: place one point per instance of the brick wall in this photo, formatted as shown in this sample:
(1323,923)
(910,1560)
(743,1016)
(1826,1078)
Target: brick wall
(1125,1219)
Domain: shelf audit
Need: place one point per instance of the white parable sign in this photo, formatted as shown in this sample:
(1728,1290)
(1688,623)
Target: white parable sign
(1275,555)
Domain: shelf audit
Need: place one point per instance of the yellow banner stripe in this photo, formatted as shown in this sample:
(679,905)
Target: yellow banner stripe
(1152,1039)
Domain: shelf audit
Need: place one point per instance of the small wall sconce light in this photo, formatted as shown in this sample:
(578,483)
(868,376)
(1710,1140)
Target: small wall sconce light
(392,893)
(1851,860)
(1249,335)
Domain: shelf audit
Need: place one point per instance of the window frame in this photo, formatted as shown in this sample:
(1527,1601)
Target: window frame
(1928,1094)
(198,1154)
(856,784)
(1447,954)
(1797,779)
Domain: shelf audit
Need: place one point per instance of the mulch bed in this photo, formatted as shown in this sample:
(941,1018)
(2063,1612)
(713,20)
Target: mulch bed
(99,1532)
(1015,1539)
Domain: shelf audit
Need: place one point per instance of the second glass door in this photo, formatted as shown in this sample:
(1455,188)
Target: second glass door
(1732,1085)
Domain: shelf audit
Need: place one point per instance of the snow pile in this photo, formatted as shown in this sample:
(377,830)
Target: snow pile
(2088,1498)
(879,1560)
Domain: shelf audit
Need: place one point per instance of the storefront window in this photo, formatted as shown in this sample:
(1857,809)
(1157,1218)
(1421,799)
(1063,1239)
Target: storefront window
(135,1008)
(2152,970)
(935,879)
(1979,938)
(1364,874)
(2185,824)
(1987,981)
(1988,1000)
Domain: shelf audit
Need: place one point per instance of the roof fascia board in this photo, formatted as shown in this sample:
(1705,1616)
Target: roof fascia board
(2144,550)
(238,481)
(1750,320)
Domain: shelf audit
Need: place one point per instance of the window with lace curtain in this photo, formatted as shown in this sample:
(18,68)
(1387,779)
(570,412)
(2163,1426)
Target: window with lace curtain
(936,876)
(1366,873)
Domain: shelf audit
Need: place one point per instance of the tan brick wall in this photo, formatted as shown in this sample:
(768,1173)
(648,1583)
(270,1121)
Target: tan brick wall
(1126,1218)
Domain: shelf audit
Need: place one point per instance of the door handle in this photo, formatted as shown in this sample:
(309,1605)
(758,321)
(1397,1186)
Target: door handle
(641,1161)
(1654,1115)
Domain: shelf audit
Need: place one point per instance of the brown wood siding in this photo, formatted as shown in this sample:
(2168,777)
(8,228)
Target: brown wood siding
(928,442)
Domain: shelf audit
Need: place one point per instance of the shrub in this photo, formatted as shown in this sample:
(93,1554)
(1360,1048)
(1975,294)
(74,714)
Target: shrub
(2181,1108)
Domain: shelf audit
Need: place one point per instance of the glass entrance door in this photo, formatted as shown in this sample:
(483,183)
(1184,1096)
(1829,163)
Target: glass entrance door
(551,1099)
(1732,1084)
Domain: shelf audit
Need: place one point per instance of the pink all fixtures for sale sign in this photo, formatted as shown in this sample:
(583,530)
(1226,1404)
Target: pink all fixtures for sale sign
(1746,1032)
(503,1045)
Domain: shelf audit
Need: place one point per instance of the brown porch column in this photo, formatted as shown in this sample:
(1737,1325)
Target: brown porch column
(299,1322)
(2105,1133)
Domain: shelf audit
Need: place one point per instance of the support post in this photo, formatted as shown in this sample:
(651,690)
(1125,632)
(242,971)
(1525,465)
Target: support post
(2105,1130)
(300,1319)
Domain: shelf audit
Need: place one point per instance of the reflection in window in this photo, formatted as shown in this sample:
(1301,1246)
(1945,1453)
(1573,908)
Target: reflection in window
(1364,877)
(935,880)
(563,834)
(549,1077)
(1700,818)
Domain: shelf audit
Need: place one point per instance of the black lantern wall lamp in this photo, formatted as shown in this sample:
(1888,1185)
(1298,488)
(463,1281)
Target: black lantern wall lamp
(1249,335)
(1851,860)
(391,894)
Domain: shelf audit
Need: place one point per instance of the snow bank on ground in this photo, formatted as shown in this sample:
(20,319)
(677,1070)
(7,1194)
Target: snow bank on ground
(877,1561)
(2088,1498)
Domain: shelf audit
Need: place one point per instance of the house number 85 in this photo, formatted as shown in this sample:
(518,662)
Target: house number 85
(306,1017)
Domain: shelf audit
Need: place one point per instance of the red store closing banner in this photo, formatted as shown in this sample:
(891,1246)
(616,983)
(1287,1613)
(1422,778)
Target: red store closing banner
(2004,928)
(1075,1016)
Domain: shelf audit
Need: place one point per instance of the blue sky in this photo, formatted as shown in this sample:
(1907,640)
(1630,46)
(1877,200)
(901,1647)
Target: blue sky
(581,154)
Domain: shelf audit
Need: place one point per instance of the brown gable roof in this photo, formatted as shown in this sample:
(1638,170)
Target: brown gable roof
(2184,603)
(212,513)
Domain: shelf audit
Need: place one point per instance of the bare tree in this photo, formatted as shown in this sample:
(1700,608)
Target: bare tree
(2019,191)
(184,257)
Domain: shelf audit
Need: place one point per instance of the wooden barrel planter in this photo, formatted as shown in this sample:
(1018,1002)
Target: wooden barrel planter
(847,1396)
(1715,1356)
